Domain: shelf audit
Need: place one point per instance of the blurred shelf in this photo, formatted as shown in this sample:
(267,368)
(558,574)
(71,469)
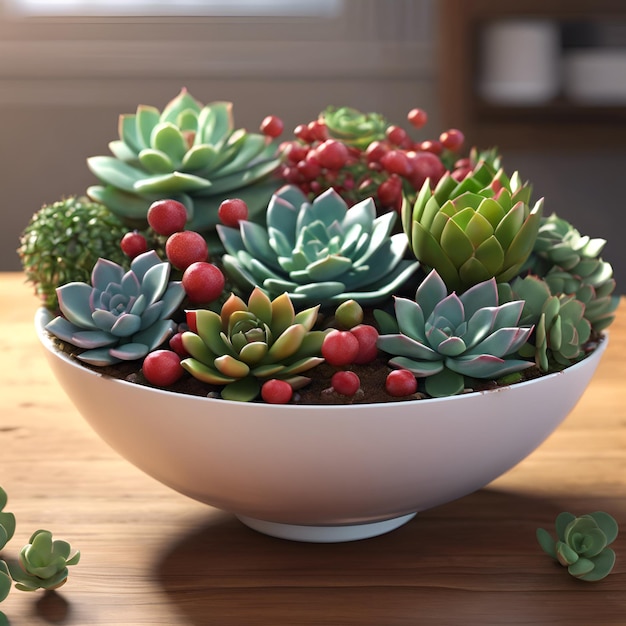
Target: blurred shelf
(555,124)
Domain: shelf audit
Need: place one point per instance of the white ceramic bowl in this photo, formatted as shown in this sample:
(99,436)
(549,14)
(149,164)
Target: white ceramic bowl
(313,473)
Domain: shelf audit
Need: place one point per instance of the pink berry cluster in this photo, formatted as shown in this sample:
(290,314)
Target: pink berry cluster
(384,170)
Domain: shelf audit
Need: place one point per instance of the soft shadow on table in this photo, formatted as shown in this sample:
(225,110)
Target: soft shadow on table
(443,567)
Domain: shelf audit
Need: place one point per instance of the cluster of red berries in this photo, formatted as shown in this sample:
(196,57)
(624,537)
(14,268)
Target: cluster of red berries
(187,251)
(386,169)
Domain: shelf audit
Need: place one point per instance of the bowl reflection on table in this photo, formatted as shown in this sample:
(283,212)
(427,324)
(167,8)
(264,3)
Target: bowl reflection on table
(321,473)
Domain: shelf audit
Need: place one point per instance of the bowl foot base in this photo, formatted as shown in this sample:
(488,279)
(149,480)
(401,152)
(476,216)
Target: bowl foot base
(325,534)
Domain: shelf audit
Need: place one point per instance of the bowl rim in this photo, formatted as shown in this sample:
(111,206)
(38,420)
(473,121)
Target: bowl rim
(42,315)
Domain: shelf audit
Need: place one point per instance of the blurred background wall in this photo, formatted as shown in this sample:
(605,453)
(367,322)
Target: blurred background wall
(64,80)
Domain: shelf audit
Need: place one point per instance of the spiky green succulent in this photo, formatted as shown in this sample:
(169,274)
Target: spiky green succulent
(319,251)
(561,329)
(353,127)
(7,521)
(582,544)
(473,230)
(122,315)
(247,344)
(44,563)
(446,338)
(189,152)
(570,263)
(63,241)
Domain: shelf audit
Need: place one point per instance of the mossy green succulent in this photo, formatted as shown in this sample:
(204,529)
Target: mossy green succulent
(247,344)
(63,241)
(7,521)
(582,544)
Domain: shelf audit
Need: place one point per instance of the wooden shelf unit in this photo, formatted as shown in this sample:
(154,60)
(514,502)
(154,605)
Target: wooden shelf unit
(559,124)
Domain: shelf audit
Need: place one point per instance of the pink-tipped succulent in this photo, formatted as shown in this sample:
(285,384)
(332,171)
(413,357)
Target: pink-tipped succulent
(248,344)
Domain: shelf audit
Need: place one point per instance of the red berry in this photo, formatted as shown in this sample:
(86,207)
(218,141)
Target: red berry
(425,165)
(167,217)
(162,368)
(303,133)
(332,154)
(295,152)
(452,139)
(317,130)
(460,173)
(366,336)
(186,247)
(272,126)
(375,151)
(397,162)
(133,244)
(232,211)
(190,318)
(401,383)
(176,344)
(309,169)
(417,118)
(203,282)
(389,192)
(340,347)
(396,135)
(345,383)
(436,147)
(276,391)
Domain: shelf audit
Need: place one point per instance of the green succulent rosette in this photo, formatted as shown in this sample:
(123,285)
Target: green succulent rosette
(561,328)
(122,315)
(319,251)
(43,563)
(473,230)
(247,344)
(353,127)
(446,338)
(570,263)
(582,544)
(189,152)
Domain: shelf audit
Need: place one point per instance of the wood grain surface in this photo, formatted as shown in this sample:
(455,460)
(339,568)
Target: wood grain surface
(152,556)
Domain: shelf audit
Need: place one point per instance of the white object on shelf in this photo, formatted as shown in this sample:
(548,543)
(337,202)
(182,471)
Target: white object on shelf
(595,76)
(520,61)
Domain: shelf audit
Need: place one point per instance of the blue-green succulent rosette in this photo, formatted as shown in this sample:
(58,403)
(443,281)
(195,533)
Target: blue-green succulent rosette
(122,315)
(318,252)
(445,337)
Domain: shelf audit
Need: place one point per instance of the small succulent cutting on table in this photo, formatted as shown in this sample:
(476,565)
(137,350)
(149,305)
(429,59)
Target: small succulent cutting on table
(223,261)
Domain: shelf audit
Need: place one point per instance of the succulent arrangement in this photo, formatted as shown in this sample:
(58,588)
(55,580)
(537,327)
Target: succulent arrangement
(42,563)
(254,270)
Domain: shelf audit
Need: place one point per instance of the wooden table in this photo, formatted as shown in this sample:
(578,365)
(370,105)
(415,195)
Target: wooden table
(151,556)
